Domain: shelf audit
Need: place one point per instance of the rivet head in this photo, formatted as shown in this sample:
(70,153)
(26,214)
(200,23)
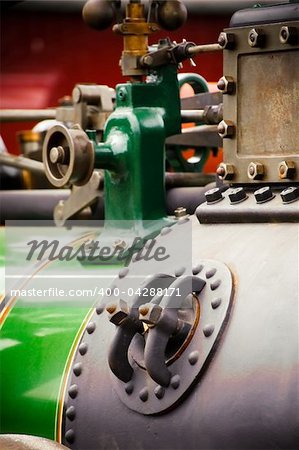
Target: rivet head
(83,348)
(208,330)
(215,285)
(165,231)
(70,436)
(91,327)
(129,388)
(197,269)
(216,303)
(99,310)
(263,195)
(73,391)
(77,369)
(179,272)
(237,195)
(159,392)
(175,381)
(143,394)
(290,194)
(193,357)
(210,273)
(70,413)
(213,196)
(123,272)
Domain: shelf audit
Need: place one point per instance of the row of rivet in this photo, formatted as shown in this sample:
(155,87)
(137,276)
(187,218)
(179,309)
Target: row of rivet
(74,389)
(262,195)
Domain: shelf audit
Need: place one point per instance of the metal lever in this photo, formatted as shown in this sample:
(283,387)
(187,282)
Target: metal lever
(160,332)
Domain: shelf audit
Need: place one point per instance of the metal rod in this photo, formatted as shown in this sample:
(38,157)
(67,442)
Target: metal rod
(205,48)
(20,115)
(22,163)
(192,115)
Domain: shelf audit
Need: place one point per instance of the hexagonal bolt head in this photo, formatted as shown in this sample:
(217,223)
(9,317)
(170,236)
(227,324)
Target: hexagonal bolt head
(286,169)
(226,129)
(226,40)
(150,313)
(255,38)
(226,171)
(263,195)
(290,194)
(226,85)
(237,195)
(288,35)
(255,171)
(118,311)
(180,212)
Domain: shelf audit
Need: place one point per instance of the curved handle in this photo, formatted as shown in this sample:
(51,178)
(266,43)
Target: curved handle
(158,336)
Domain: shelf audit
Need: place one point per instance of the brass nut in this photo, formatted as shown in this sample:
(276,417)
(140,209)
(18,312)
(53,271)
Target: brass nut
(118,311)
(255,38)
(226,85)
(150,313)
(288,35)
(226,129)
(226,40)
(226,171)
(255,171)
(286,169)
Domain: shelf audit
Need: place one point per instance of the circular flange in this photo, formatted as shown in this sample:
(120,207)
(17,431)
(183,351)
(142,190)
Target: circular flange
(68,156)
(90,370)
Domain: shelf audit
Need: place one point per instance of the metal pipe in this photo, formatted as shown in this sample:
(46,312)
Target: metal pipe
(22,163)
(21,115)
(205,48)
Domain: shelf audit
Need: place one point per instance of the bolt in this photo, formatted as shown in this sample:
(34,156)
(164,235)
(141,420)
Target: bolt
(180,212)
(150,313)
(255,38)
(288,35)
(226,129)
(263,195)
(255,171)
(120,244)
(290,194)
(286,169)
(226,40)
(213,196)
(226,171)
(237,195)
(226,85)
(118,311)
(57,155)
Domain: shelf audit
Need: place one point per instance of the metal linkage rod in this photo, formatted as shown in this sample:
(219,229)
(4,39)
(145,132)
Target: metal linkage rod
(20,115)
(205,48)
(21,163)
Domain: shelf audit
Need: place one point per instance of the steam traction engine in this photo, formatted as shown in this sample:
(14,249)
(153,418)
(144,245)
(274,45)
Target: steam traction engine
(198,350)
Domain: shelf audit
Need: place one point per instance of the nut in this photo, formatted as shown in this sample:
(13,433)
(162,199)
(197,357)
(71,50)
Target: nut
(226,40)
(213,196)
(286,169)
(255,171)
(226,129)
(290,194)
(288,35)
(263,195)
(118,311)
(226,85)
(255,38)
(226,171)
(150,313)
(237,195)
